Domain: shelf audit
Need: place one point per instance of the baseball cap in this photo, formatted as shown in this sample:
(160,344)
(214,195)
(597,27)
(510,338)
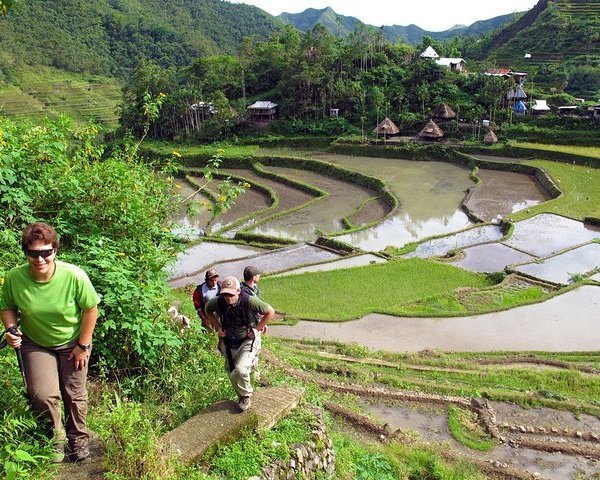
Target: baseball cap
(230,285)
(211,274)
(250,271)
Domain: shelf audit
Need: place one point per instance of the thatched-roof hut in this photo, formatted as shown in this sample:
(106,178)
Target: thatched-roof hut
(490,137)
(386,128)
(431,131)
(443,112)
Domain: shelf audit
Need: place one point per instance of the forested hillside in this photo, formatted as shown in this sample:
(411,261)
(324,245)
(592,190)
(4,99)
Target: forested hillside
(109,37)
(341,26)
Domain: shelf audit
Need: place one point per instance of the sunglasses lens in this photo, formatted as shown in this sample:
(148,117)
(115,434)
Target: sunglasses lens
(39,253)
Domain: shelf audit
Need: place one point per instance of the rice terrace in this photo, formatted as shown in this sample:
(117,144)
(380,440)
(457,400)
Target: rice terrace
(415,214)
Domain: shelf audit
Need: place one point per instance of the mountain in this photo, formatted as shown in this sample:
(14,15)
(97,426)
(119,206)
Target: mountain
(338,25)
(561,33)
(108,37)
(341,26)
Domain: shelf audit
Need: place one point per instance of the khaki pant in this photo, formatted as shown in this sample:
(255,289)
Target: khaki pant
(244,358)
(51,381)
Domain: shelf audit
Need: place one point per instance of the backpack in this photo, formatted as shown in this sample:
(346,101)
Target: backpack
(239,316)
(197,296)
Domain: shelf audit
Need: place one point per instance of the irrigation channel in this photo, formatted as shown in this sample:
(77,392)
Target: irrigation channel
(432,198)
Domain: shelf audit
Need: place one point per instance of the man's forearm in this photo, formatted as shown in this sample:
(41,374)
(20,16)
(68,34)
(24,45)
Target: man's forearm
(266,318)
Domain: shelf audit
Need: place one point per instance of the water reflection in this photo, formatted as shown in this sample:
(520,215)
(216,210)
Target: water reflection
(430,194)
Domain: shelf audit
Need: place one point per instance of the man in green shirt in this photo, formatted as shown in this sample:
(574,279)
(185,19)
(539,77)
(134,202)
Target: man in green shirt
(233,315)
(57,305)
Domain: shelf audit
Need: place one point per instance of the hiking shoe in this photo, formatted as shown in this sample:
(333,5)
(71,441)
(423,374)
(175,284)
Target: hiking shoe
(80,450)
(58,455)
(244,403)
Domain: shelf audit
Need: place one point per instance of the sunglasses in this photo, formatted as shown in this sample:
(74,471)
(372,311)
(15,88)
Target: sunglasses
(39,253)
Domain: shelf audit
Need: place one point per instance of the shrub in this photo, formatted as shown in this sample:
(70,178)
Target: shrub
(111,211)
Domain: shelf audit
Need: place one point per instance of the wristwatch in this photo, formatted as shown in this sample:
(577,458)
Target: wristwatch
(84,347)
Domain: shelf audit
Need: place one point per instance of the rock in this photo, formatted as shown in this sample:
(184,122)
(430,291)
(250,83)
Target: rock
(578,434)
(479,403)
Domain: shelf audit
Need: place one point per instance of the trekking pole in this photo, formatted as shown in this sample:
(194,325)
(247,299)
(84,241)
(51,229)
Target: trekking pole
(13,331)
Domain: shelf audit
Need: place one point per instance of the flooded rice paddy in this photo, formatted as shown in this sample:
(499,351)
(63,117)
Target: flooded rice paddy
(289,196)
(563,268)
(325,215)
(502,193)
(491,257)
(548,326)
(248,203)
(269,262)
(430,194)
(438,247)
(195,260)
(546,234)
(348,262)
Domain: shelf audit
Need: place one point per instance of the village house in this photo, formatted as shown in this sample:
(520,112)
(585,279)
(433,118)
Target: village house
(386,128)
(453,64)
(431,132)
(262,111)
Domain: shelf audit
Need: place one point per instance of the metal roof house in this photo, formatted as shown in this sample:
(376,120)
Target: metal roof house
(540,107)
(454,64)
(262,111)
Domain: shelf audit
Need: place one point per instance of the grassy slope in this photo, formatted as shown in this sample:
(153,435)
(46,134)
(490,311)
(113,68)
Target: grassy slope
(581,187)
(39,92)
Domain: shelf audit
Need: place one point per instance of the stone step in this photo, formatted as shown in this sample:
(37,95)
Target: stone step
(222,422)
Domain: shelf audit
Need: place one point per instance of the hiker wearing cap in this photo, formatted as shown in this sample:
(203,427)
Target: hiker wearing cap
(233,314)
(204,292)
(58,307)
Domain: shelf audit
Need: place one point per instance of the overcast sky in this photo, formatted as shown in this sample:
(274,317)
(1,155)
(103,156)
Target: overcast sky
(433,15)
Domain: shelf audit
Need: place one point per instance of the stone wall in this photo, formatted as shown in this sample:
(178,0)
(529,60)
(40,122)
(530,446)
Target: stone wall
(307,459)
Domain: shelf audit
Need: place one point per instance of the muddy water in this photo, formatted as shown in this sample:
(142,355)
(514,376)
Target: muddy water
(501,193)
(430,194)
(325,215)
(190,226)
(568,322)
(432,424)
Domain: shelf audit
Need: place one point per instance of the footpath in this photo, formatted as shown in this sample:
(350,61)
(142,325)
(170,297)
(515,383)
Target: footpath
(220,423)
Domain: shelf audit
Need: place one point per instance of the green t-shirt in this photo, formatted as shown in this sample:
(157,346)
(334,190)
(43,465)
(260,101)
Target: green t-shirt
(50,311)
